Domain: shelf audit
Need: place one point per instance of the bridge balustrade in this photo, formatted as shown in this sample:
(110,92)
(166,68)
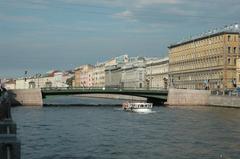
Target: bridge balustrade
(102,88)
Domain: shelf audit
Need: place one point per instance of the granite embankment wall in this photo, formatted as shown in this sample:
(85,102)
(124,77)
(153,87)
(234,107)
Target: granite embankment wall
(187,97)
(224,101)
(26,97)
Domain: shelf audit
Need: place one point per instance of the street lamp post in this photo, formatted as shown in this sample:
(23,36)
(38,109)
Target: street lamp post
(25,78)
(151,74)
(38,75)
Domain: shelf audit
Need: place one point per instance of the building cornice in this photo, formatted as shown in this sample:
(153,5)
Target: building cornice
(202,38)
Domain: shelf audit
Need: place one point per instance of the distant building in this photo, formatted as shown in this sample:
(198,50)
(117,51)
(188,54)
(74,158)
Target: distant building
(51,79)
(157,73)
(29,83)
(84,76)
(121,59)
(129,74)
(95,76)
(133,74)
(207,61)
(10,84)
(99,75)
(113,75)
(117,60)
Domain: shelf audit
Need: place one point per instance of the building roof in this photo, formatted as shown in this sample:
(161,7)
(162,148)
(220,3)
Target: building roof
(157,61)
(232,29)
(11,81)
(83,66)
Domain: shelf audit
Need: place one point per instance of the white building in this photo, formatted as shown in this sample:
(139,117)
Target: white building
(10,84)
(133,74)
(54,79)
(157,73)
(113,76)
(39,82)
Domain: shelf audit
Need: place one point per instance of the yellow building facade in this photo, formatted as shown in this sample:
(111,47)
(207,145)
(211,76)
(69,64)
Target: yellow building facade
(84,76)
(238,72)
(206,62)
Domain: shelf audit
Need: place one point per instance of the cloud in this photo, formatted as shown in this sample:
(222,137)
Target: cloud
(127,14)
(180,11)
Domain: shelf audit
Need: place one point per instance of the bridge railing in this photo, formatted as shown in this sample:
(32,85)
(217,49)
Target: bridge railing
(226,92)
(101,88)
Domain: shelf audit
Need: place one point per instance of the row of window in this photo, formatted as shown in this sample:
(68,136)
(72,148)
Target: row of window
(233,50)
(200,76)
(196,54)
(233,38)
(206,53)
(202,64)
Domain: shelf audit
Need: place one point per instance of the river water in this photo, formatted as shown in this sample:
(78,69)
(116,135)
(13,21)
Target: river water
(106,132)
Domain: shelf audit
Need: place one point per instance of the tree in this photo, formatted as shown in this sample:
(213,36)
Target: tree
(69,81)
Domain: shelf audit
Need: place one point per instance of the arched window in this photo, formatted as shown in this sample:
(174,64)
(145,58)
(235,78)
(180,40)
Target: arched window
(32,84)
(229,37)
(229,61)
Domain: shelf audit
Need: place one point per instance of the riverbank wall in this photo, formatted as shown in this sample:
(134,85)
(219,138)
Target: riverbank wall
(188,97)
(224,101)
(26,97)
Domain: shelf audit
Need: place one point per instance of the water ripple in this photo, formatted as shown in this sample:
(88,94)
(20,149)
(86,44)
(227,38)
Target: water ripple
(107,132)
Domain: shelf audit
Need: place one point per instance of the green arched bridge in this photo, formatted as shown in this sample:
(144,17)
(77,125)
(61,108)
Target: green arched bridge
(156,96)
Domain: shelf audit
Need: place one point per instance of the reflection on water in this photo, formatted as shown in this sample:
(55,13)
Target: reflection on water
(109,132)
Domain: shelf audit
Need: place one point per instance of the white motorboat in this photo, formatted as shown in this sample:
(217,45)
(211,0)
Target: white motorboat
(138,107)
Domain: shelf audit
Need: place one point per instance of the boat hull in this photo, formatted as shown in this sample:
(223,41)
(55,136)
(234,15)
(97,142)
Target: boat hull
(142,110)
(139,110)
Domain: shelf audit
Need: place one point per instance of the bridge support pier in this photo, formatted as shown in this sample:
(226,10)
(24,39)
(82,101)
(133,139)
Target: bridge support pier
(26,97)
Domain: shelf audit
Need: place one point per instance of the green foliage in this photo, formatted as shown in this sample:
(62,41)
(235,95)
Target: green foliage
(70,81)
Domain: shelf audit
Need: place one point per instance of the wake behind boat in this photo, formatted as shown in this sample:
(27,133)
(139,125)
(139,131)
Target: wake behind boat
(138,107)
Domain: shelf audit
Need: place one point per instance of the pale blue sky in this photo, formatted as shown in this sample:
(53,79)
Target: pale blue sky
(40,35)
